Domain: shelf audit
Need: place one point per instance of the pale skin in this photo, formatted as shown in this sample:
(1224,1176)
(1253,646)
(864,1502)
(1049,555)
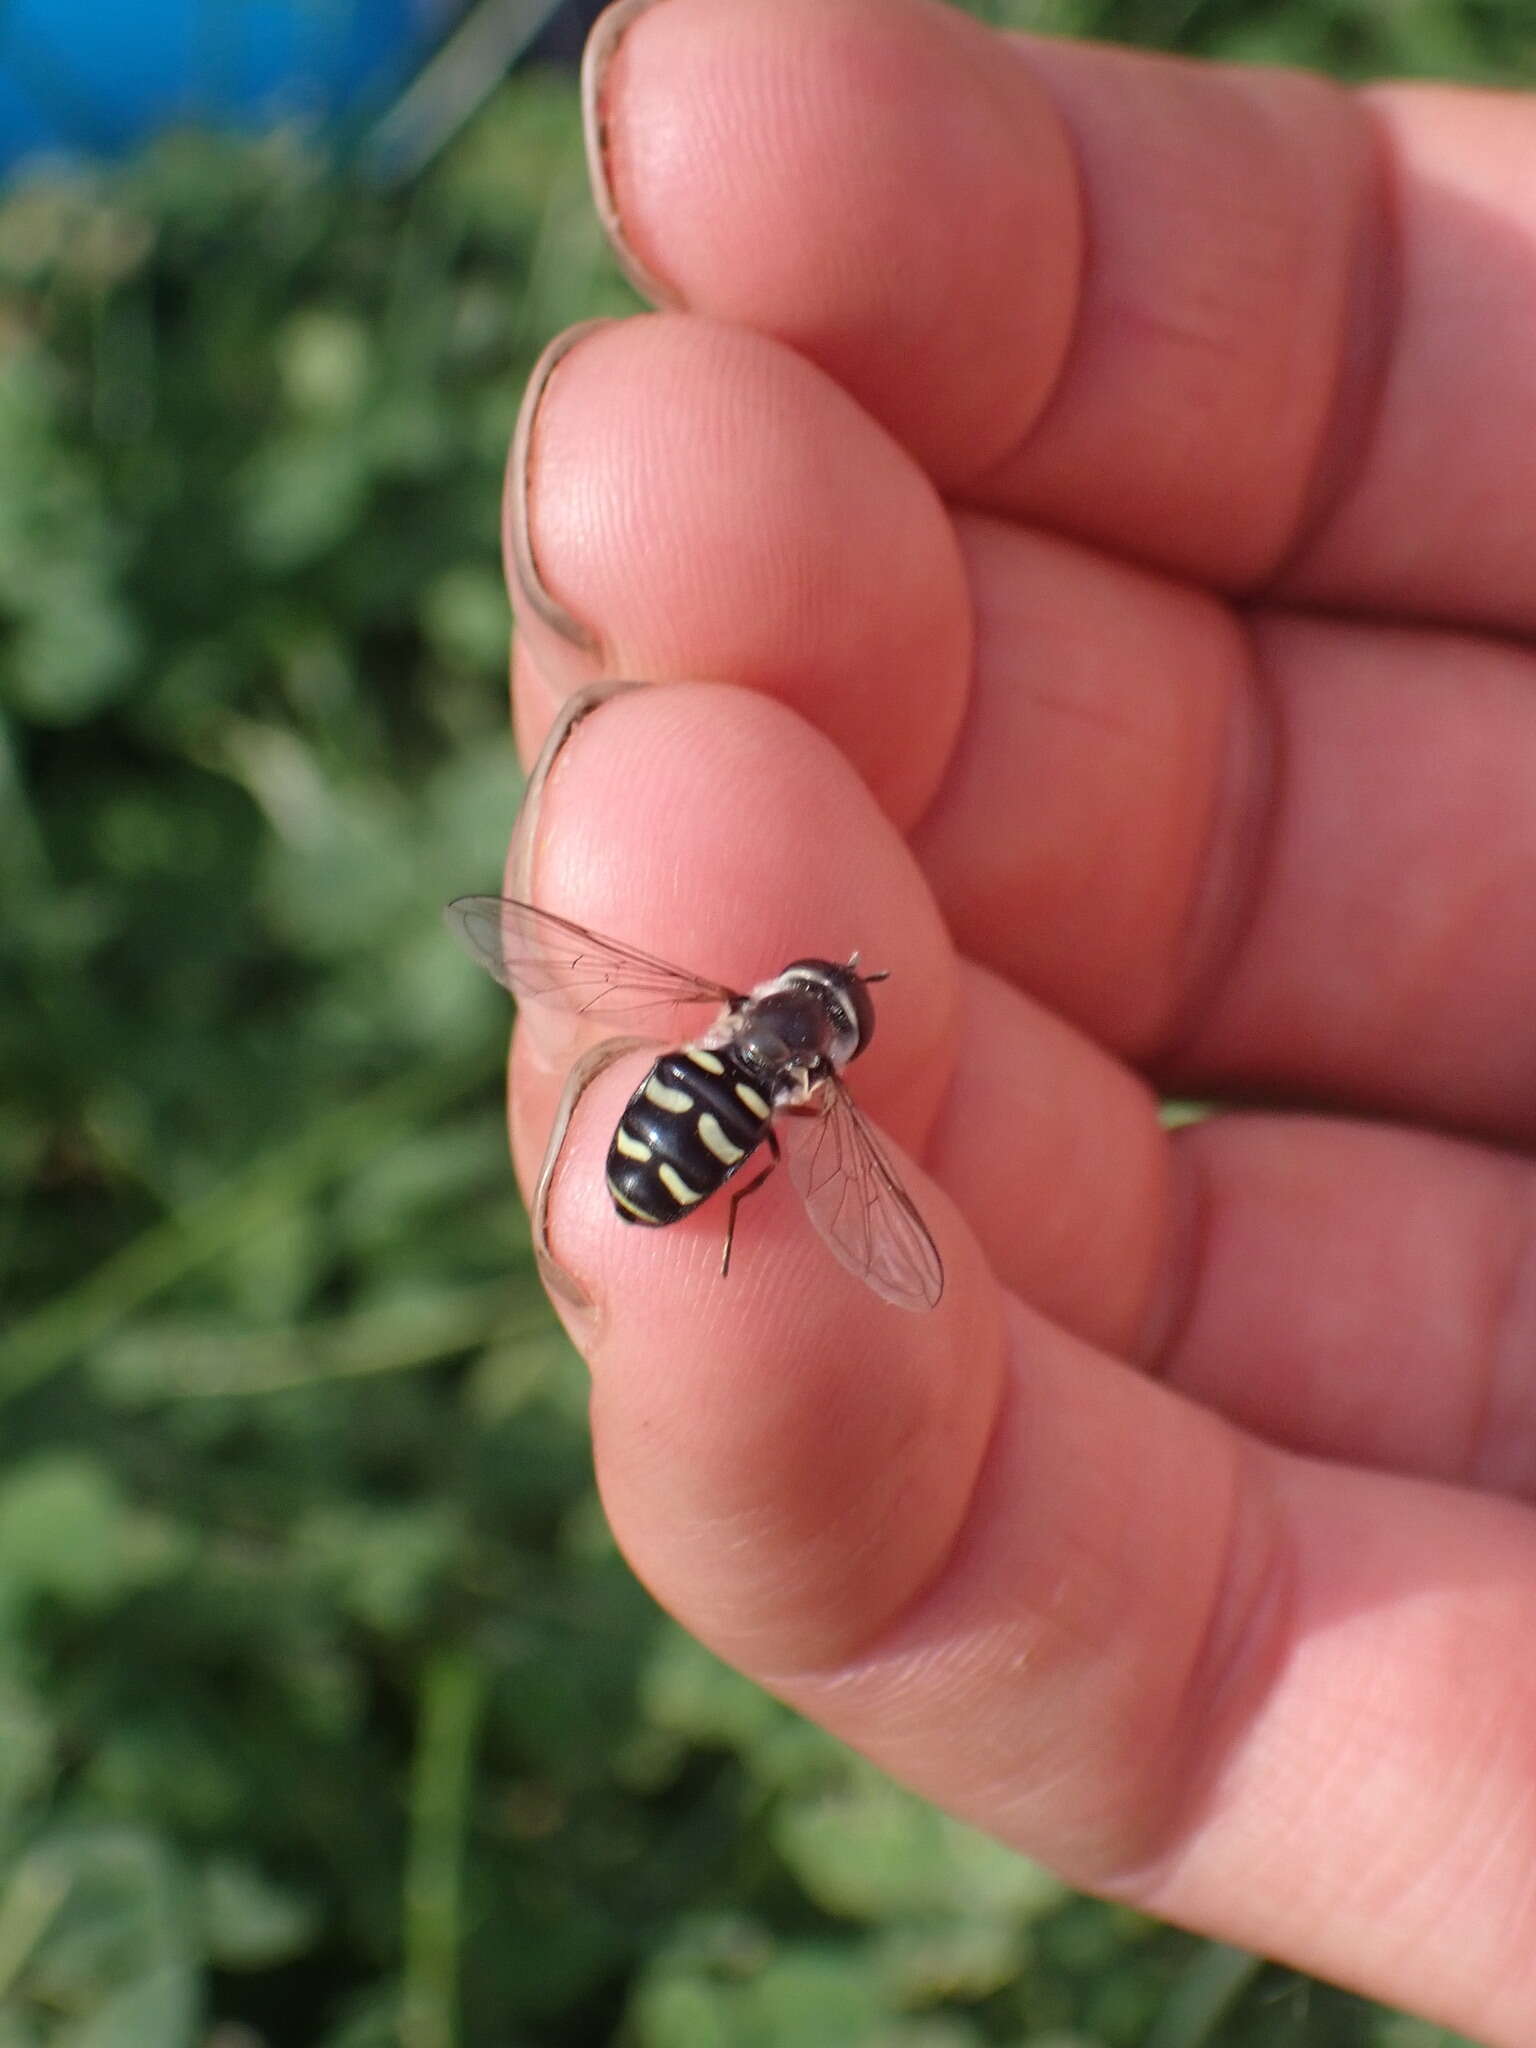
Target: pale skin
(1078,510)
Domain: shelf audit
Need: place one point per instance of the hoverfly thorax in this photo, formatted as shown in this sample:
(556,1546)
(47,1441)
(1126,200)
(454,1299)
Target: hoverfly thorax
(811,1019)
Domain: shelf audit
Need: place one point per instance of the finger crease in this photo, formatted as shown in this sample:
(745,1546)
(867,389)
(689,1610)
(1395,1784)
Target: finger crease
(1240,852)
(975,488)
(1188,1234)
(1233,1668)
(888,1637)
(1372,323)
(1501,1445)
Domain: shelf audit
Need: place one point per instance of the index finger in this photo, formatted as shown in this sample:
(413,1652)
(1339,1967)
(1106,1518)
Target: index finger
(1236,323)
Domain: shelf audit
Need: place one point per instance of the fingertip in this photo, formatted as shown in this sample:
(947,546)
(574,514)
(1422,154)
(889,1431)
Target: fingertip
(782,1454)
(809,168)
(707,503)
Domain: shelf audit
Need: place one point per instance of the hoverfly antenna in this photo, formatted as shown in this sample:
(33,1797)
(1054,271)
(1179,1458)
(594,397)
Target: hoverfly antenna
(853,969)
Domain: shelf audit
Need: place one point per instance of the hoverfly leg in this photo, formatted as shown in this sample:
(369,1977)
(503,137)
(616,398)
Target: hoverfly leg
(596,1060)
(741,1195)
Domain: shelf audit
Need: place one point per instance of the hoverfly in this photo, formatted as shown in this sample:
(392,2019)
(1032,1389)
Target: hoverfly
(766,1074)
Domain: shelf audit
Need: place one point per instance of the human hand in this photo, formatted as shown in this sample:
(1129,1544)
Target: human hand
(1104,490)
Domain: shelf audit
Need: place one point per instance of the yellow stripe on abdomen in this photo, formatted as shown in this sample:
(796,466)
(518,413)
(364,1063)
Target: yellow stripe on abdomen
(676,1186)
(631,1208)
(657,1091)
(714,1140)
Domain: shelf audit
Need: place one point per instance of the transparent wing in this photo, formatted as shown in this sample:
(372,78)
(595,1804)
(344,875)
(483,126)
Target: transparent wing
(862,1211)
(544,958)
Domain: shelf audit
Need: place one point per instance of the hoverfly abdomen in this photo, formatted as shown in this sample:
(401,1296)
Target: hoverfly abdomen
(693,1123)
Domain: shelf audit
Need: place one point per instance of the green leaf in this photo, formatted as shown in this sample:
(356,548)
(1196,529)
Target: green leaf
(63,1529)
(689,1692)
(302,495)
(324,359)
(381,1565)
(121,1930)
(250,1922)
(161,2008)
(868,1850)
(29,1739)
(799,1995)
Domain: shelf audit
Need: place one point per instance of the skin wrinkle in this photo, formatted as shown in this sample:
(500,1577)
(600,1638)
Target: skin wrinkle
(975,487)
(1236,1665)
(845,1670)
(1501,1443)
(1088,240)
(1414,1890)
(1401,957)
(1367,338)
(1245,821)
(1369,334)
(1235,1662)
(1179,1277)
(1520,1911)
(925,1148)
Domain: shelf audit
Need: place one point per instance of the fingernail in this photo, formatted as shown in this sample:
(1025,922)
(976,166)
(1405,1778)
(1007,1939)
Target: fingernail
(608,31)
(552,1036)
(521,872)
(578,1301)
(528,585)
(571,1295)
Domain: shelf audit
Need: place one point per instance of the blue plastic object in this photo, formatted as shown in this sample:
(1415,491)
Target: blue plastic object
(94,77)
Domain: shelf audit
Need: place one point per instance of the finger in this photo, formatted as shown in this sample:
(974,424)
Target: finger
(1280,856)
(689,500)
(1350,1290)
(1070,1607)
(1234,322)
(1356,1292)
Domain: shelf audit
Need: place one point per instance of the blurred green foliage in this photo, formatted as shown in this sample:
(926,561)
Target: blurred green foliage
(1484,41)
(328,1714)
